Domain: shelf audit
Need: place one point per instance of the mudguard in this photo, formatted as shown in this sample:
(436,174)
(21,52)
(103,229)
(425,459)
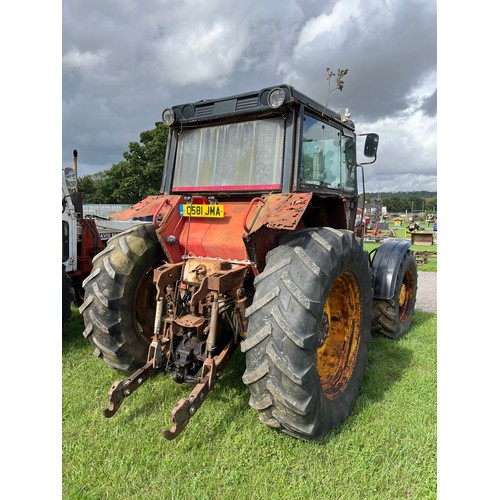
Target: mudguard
(385,266)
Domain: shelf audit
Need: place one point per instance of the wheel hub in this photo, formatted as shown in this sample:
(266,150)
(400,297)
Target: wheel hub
(324,327)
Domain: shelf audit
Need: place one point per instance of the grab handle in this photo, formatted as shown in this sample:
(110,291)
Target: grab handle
(250,206)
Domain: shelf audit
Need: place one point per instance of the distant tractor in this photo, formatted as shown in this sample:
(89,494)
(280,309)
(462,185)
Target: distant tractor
(80,241)
(83,237)
(252,244)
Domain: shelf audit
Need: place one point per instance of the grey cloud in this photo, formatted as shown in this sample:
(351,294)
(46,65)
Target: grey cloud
(125,61)
(429,106)
(384,61)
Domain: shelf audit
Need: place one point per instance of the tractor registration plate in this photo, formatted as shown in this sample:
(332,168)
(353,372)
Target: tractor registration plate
(202,211)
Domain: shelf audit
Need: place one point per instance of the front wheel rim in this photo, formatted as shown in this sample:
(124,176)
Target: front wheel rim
(406,296)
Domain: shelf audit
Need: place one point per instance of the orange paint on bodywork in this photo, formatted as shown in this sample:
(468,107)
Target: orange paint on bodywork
(220,238)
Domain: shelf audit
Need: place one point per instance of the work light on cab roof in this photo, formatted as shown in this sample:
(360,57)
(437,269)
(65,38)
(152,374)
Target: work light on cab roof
(276,97)
(168,116)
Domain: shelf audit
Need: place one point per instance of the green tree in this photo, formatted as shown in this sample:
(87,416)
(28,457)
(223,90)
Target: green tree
(134,178)
(394,204)
(87,186)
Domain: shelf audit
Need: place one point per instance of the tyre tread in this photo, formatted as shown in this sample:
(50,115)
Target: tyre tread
(109,289)
(280,374)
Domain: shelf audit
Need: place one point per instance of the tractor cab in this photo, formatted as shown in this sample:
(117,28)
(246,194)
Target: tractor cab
(272,140)
(294,159)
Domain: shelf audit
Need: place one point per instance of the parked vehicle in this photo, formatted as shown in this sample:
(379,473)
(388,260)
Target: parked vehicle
(252,244)
(82,239)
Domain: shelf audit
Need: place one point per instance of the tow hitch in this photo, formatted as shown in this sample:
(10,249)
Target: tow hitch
(186,407)
(188,334)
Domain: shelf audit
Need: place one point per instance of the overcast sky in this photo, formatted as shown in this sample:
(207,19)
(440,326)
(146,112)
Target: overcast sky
(124,61)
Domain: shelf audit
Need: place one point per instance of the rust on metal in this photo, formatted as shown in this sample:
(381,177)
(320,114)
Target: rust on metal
(120,390)
(185,338)
(281,211)
(144,209)
(165,275)
(187,407)
(220,282)
(339,335)
(406,296)
(196,269)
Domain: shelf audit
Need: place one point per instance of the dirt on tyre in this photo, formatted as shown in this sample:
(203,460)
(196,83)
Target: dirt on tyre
(119,304)
(308,332)
(392,317)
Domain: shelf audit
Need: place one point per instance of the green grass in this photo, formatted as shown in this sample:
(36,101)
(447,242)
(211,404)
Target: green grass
(431,265)
(385,449)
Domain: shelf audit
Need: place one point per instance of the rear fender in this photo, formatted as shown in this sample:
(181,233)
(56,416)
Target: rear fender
(280,211)
(277,214)
(385,265)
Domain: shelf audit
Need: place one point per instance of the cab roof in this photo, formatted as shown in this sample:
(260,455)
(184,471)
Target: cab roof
(250,103)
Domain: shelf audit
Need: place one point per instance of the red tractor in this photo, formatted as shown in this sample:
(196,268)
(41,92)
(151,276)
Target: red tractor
(251,244)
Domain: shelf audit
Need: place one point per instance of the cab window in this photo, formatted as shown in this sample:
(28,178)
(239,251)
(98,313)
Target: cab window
(245,155)
(328,157)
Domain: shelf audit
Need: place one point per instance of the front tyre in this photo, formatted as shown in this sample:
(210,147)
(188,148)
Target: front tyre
(308,332)
(392,317)
(119,305)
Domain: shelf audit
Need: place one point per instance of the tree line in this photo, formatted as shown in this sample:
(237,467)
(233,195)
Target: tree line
(406,201)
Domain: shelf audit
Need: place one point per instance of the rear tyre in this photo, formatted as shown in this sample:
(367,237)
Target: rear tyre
(392,317)
(119,305)
(308,332)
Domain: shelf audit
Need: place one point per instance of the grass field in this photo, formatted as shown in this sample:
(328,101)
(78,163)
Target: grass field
(386,449)
(430,266)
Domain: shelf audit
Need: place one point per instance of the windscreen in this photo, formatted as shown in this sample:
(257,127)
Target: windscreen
(328,157)
(232,157)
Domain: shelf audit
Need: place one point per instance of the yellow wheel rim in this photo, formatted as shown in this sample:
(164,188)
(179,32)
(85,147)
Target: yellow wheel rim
(402,295)
(406,296)
(339,335)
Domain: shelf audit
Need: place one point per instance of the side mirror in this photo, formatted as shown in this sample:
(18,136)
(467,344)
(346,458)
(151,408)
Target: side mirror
(371,145)
(70,176)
